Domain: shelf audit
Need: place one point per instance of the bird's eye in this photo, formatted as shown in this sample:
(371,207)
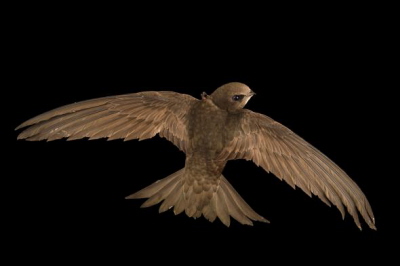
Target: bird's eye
(237,98)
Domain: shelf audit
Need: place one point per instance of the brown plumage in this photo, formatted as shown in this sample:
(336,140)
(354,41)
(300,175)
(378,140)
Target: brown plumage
(210,131)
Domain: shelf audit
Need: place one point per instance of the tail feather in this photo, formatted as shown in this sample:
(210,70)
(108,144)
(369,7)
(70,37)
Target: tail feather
(240,203)
(234,209)
(171,199)
(209,213)
(221,207)
(151,190)
(162,194)
(180,204)
(222,202)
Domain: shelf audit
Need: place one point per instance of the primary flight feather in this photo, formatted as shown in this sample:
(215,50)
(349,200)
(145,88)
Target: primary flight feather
(210,131)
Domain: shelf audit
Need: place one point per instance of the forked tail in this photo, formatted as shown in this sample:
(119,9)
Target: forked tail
(222,202)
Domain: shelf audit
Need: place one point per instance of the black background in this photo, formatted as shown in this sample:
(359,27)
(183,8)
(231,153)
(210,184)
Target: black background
(321,77)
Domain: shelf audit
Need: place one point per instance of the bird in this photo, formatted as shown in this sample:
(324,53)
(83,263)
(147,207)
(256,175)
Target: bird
(210,131)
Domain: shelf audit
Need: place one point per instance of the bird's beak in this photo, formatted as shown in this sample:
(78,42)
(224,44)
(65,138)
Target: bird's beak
(252,93)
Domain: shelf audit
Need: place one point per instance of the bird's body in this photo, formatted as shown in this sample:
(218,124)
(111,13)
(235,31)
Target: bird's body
(210,131)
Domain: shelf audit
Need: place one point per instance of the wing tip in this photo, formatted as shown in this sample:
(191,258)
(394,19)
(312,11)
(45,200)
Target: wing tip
(372,225)
(19,127)
(133,196)
(264,220)
(27,123)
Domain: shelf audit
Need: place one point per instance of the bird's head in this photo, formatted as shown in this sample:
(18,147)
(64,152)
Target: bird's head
(232,96)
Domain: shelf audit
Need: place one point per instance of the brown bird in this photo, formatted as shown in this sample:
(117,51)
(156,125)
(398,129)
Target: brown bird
(210,131)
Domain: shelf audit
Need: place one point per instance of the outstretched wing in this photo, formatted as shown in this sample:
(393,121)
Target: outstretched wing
(280,151)
(132,116)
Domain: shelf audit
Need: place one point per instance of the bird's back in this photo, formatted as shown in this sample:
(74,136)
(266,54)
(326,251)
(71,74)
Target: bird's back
(210,129)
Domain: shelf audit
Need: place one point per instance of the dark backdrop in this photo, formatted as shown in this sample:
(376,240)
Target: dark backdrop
(322,81)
